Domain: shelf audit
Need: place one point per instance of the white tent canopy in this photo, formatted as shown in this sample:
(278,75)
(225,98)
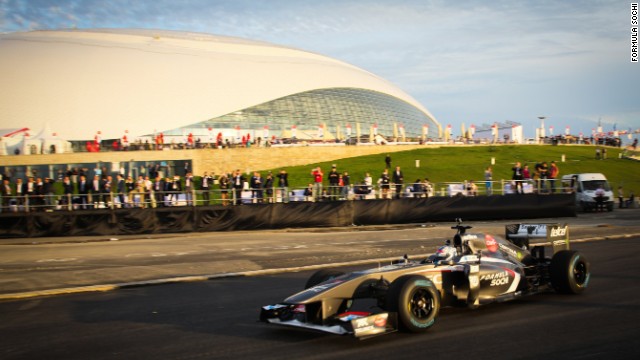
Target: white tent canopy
(46,142)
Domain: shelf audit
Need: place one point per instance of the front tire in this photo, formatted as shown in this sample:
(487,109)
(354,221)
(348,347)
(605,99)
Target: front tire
(321,276)
(570,272)
(416,300)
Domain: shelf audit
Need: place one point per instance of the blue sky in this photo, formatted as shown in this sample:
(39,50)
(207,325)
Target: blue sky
(470,62)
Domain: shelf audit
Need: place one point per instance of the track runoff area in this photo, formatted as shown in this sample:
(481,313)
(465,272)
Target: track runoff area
(612,234)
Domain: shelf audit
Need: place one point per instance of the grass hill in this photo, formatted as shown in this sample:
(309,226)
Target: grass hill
(460,163)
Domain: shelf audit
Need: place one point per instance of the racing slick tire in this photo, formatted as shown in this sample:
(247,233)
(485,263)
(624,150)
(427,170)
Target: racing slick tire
(570,272)
(416,300)
(321,276)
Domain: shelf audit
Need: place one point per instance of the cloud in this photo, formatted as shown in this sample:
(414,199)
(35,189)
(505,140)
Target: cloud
(493,60)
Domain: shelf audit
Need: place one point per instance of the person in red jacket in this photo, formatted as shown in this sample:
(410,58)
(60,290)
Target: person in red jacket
(317,182)
(553,175)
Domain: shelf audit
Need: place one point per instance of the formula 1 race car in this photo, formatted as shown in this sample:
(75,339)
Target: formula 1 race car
(473,270)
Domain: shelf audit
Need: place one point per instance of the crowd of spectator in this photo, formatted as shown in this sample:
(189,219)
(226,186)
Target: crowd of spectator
(176,143)
(75,189)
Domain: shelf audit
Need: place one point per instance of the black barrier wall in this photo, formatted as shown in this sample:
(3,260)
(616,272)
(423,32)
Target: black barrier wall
(277,216)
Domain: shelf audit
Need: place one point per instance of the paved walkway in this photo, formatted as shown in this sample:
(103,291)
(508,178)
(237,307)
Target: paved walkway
(49,266)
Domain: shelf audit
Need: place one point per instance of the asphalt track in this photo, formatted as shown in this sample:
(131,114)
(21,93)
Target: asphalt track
(216,319)
(50,266)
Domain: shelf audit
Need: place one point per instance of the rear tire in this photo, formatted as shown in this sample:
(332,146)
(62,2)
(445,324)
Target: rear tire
(570,272)
(416,300)
(321,276)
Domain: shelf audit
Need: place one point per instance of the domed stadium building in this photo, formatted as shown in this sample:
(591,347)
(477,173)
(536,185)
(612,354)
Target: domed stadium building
(140,83)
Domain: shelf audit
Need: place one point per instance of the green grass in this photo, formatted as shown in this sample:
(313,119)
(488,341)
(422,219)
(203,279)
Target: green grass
(460,163)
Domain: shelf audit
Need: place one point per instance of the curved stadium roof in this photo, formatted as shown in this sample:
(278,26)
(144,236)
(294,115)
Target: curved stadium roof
(147,81)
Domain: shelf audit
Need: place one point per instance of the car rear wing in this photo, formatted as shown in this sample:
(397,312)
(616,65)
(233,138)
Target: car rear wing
(557,235)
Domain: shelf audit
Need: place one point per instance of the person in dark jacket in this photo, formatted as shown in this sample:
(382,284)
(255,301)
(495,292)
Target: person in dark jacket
(47,190)
(398,180)
(83,190)
(67,190)
(120,189)
(283,184)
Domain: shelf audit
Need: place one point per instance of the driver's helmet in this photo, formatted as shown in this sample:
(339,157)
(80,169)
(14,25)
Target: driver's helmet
(446,253)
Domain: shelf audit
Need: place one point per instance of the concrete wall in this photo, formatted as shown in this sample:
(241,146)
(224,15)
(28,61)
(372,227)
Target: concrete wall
(215,160)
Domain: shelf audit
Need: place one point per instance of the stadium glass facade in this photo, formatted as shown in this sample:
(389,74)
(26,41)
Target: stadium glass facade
(335,108)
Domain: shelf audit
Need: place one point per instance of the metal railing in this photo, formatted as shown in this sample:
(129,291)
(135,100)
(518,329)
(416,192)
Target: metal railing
(246,195)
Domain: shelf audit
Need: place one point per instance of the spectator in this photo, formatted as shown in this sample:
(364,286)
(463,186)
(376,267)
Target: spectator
(207,180)
(368,181)
(174,188)
(256,185)
(361,190)
(67,189)
(488,180)
(317,182)
(158,191)
(398,180)
(83,191)
(154,171)
(237,182)
(105,188)
(544,176)
(426,186)
(283,184)
(472,189)
(120,189)
(39,193)
(553,175)
(141,190)
(7,194)
(130,188)
(308,193)
(95,193)
(47,189)
(75,173)
(30,193)
(148,192)
(517,177)
(417,189)
(387,161)
(334,183)
(20,193)
(346,185)
(268,187)
(224,183)
(188,188)
(384,183)
(526,173)
(630,203)
(621,201)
